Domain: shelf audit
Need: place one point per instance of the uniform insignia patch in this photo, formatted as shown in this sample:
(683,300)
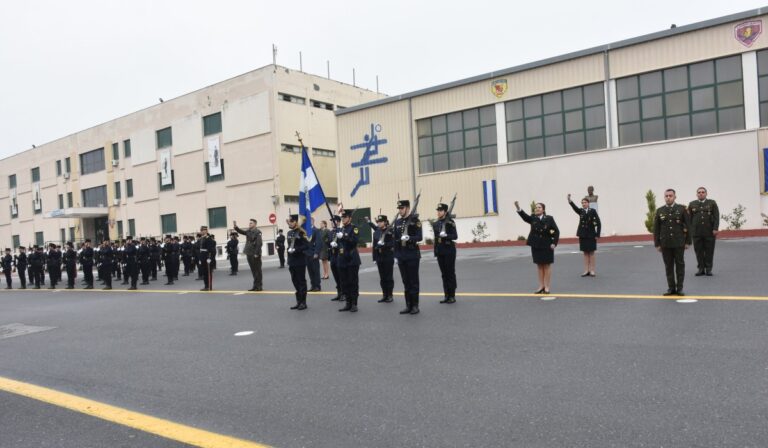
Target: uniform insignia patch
(356,230)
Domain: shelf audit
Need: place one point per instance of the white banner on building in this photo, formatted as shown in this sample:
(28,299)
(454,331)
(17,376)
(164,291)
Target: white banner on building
(165,167)
(36,199)
(214,157)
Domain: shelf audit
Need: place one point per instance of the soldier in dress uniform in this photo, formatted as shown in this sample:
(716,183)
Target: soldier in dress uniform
(107,257)
(333,258)
(54,265)
(298,246)
(20,262)
(154,257)
(186,255)
(280,246)
(131,260)
(143,257)
(588,233)
(86,262)
(384,256)
(175,253)
(349,260)
(7,263)
(207,258)
(407,236)
(70,263)
(232,251)
(672,236)
(444,229)
(705,225)
(543,238)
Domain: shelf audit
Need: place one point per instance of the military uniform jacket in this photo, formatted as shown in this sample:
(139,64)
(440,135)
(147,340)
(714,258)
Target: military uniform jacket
(544,232)
(70,258)
(445,245)
(333,252)
(384,252)
(186,249)
(407,250)
(297,240)
(20,261)
(54,258)
(671,227)
(705,217)
(348,254)
(207,250)
(142,253)
(589,222)
(253,241)
(130,253)
(316,243)
(7,263)
(232,247)
(154,252)
(86,256)
(35,260)
(280,242)
(107,256)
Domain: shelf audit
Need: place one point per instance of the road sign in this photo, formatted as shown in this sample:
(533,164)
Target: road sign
(272,218)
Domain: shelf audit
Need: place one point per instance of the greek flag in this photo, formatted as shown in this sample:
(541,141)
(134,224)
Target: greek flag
(489,197)
(311,196)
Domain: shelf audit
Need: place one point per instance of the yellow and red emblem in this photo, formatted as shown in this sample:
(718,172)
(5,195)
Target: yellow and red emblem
(499,87)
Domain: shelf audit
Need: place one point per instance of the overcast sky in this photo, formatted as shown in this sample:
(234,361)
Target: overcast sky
(67,66)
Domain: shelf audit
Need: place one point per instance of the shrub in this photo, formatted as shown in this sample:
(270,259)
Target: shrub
(735,219)
(480,232)
(650,199)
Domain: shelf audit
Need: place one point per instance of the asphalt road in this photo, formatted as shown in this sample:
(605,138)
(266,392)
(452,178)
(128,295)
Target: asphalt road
(489,371)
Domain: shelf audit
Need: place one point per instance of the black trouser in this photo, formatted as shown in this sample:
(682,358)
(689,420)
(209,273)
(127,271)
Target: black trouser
(299,279)
(172,268)
(232,263)
(54,272)
(153,264)
(281,256)
(23,276)
(71,274)
(447,263)
(350,283)
(36,276)
(336,278)
(313,269)
(132,272)
(117,270)
(187,264)
(386,266)
(674,263)
(106,268)
(704,246)
(254,263)
(7,273)
(206,272)
(409,271)
(88,273)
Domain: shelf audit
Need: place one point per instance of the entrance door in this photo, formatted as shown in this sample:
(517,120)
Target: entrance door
(101,229)
(359,220)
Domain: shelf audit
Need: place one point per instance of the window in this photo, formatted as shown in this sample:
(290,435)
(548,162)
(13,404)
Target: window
(69,199)
(92,161)
(168,187)
(61,201)
(702,98)
(67,165)
(72,234)
(62,236)
(168,223)
(457,140)
(16,241)
(117,190)
(131,227)
(35,173)
(164,138)
(762,79)
(95,197)
(129,188)
(566,121)
(212,124)
(58,168)
(217,217)
(12,181)
(291,148)
(218,177)
(291,98)
(126,148)
(322,105)
(323,152)
(39,239)
(115,152)
(120,233)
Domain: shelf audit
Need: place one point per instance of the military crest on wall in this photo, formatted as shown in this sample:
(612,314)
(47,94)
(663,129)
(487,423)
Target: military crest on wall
(748,32)
(499,87)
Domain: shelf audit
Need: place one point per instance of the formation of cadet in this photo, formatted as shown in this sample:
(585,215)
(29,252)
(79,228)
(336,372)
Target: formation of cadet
(672,236)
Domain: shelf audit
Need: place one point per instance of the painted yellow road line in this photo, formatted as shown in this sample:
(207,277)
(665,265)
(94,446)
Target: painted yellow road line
(427,294)
(145,423)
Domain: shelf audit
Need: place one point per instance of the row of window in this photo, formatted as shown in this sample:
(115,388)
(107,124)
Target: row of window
(217,218)
(301,100)
(315,151)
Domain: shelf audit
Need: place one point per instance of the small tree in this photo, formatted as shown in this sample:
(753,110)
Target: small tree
(735,219)
(533,207)
(479,233)
(650,199)
(765,219)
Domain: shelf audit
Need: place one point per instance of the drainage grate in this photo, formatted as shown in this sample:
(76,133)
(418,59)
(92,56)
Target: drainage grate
(13,330)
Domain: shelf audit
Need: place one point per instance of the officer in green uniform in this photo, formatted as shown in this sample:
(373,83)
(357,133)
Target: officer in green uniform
(705,222)
(672,236)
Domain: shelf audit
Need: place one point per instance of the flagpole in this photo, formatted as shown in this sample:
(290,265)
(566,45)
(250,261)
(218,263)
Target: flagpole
(328,207)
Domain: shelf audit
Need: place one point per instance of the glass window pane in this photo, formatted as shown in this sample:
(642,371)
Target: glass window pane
(574,142)
(472,138)
(653,130)
(703,98)
(574,121)
(762,62)
(455,141)
(731,94)
(730,119)
(438,125)
(532,106)
(572,99)
(516,151)
(678,127)
(650,83)
(211,125)
(652,107)
(552,103)
(676,103)
(555,145)
(596,139)
(439,143)
(534,148)
(425,146)
(515,131)
(471,118)
(629,134)
(702,73)
(454,121)
(675,79)
(441,162)
(490,155)
(553,124)
(424,127)
(488,135)
(425,164)
(532,127)
(594,95)
(472,157)
(629,111)
(764,114)
(704,123)
(763,82)
(514,110)
(487,115)
(728,69)
(626,88)
(457,160)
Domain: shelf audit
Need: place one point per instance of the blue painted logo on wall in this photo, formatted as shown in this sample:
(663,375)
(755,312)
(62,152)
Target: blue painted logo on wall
(370,145)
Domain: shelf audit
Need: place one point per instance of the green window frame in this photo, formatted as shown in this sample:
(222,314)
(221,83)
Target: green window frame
(92,161)
(164,137)
(129,188)
(115,151)
(117,190)
(120,233)
(705,97)
(35,174)
(61,201)
(62,236)
(69,199)
(39,239)
(212,124)
(58,168)
(463,139)
(762,82)
(169,187)
(67,165)
(168,223)
(216,178)
(72,234)
(16,241)
(217,217)
(132,227)
(126,149)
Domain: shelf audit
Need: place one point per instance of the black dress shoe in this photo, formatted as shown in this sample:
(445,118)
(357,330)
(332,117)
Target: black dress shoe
(88,287)
(709,273)
(451,300)
(295,307)
(383,300)
(353,309)
(670,292)
(347,307)
(699,273)
(586,274)
(204,289)
(445,300)
(389,300)
(302,307)
(107,288)
(132,288)
(336,299)
(679,292)
(406,311)
(168,283)
(70,287)
(541,291)
(415,310)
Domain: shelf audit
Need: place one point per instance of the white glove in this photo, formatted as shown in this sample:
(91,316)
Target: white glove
(291,250)
(339,235)
(443,234)
(380,243)
(334,244)
(405,238)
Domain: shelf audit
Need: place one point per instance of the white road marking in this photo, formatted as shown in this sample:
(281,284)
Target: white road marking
(548,298)
(238,293)
(638,246)
(245,333)
(686,300)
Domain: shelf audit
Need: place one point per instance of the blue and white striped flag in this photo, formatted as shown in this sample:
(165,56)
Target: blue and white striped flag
(311,196)
(489,196)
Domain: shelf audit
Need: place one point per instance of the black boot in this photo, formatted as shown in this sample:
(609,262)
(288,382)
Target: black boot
(451,299)
(353,308)
(415,304)
(337,298)
(348,305)
(303,304)
(699,273)
(408,306)
(446,299)
(709,273)
(384,298)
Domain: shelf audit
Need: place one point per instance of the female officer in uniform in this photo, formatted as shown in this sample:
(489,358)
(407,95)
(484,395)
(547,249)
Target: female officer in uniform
(588,232)
(543,239)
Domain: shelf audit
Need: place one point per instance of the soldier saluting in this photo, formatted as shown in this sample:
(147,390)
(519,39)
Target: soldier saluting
(407,236)
(672,237)
(445,249)
(705,222)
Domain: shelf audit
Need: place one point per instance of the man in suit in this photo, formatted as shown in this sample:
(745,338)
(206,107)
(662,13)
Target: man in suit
(252,251)
(672,236)
(705,225)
